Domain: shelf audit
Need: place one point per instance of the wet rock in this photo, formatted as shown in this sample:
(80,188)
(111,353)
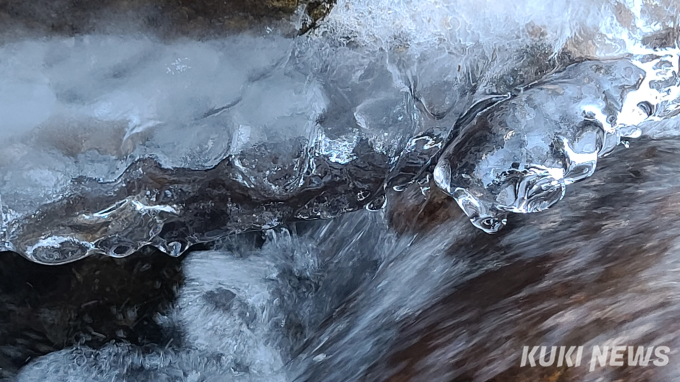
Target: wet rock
(595,270)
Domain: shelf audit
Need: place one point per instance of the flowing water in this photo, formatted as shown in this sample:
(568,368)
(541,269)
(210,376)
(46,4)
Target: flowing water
(317,190)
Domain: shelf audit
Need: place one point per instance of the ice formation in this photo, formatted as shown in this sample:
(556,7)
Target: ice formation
(519,155)
(114,142)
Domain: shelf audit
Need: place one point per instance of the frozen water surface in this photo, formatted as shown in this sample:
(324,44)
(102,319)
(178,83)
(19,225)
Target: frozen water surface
(113,142)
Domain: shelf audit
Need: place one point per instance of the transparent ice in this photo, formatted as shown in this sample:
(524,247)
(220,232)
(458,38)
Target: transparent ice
(519,155)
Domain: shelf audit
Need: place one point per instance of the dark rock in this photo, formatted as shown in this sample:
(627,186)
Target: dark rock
(164,18)
(89,302)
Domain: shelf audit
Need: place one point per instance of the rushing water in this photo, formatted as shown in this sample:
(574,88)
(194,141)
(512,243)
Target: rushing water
(327,173)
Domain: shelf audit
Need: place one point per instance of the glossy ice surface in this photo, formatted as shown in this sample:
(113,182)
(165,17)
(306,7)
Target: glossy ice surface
(117,141)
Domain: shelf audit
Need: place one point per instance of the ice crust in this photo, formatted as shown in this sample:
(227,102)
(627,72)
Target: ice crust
(113,142)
